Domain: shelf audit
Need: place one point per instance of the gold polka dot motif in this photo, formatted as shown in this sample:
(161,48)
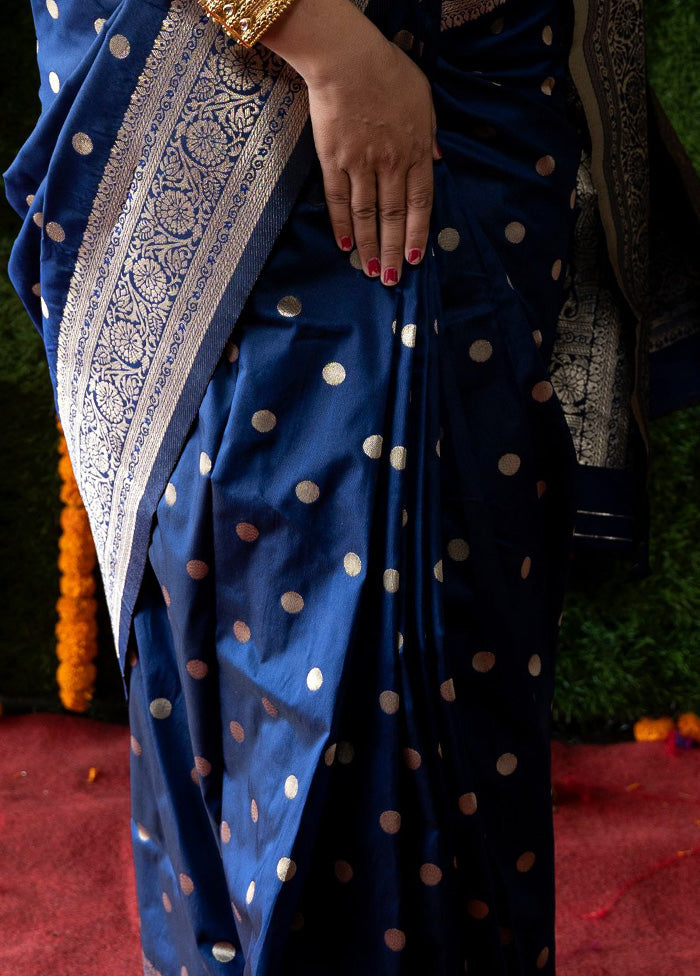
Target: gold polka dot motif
(286,869)
(167,904)
(390,580)
(480,350)
(292,602)
(314,679)
(307,492)
(525,861)
(225,832)
(289,306)
(170,494)
(250,893)
(135,745)
(458,549)
(119,46)
(223,951)
(515,232)
(430,874)
(509,464)
(343,871)
(202,765)
(99,24)
(506,763)
(556,269)
(247,532)
(186,884)
(54,82)
(447,690)
(144,834)
(412,758)
(547,86)
(241,631)
(397,457)
(333,373)
(160,708)
(542,391)
(352,564)
(408,335)
(263,421)
(467,804)
(52,8)
(477,909)
(545,165)
(390,821)
(197,569)
(448,239)
(542,958)
(372,445)
(389,702)
(237,731)
(291,787)
(204,463)
(404,40)
(55,232)
(547,35)
(534,665)
(394,939)
(483,661)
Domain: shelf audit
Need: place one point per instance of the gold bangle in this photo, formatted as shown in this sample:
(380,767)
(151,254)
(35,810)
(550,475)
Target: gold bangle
(247,20)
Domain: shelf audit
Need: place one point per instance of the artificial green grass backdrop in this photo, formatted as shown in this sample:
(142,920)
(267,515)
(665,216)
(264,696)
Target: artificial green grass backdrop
(627,648)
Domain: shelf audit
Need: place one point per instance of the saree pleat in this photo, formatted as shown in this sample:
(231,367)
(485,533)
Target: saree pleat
(344,646)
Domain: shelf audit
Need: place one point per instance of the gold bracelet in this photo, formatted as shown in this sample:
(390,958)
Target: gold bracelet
(246,20)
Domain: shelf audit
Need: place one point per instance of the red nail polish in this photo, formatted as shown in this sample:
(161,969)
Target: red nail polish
(346,243)
(391,276)
(373,266)
(414,255)
(439,150)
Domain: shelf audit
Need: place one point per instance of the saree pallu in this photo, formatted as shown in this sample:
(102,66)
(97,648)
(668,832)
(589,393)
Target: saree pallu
(338,625)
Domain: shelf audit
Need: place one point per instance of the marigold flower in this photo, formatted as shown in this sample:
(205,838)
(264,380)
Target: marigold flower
(653,729)
(688,724)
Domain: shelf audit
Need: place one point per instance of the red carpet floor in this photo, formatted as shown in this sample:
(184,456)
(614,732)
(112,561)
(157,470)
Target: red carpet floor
(67,907)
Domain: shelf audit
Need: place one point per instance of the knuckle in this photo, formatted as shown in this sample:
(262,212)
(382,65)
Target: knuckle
(366,211)
(367,244)
(420,199)
(393,212)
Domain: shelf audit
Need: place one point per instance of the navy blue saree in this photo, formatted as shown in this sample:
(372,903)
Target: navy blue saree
(333,519)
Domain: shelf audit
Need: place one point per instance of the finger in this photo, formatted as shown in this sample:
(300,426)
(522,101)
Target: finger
(392,224)
(419,203)
(363,206)
(336,186)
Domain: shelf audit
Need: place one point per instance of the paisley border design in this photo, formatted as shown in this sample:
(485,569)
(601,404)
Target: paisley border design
(151,281)
(458,12)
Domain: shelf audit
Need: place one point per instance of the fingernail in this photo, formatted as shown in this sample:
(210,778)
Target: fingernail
(391,276)
(373,267)
(346,243)
(414,255)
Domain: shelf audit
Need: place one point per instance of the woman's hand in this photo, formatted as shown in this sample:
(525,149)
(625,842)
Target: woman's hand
(374,128)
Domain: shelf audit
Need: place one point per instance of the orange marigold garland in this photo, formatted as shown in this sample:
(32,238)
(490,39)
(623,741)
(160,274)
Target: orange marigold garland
(76,629)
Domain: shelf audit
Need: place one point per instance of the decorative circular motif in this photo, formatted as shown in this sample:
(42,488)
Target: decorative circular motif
(241,631)
(135,745)
(144,834)
(480,350)
(170,493)
(372,446)
(448,238)
(237,731)
(54,82)
(515,232)
(556,269)
(99,24)
(412,758)
(271,709)
(430,874)
(333,373)
(389,702)
(391,580)
(307,492)
(525,861)
(483,661)
(397,457)
(509,464)
(437,571)
(186,884)
(545,165)
(506,763)
(38,218)
(286,869)
(477,909)
(447,690)
(547,86)
(404,40)
(542,391)
(289,306)
(534,665)
(263,420)
(202,765)
(160,708)
(44,307)
(390,821)
(197,569)
(525,567)
(291,787)
(82,143)
(314,679)
(247,532)
(119,46)
(329,754)
(225,832)
(167,904)
(254,810)
(223,951)
(343,871)
(204,463)
(250,893)
(542,958)
(547,35)
(352,564)
(467,804)
(408,335)
(52,8)
(197,669)
(394,939)
(458,549)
